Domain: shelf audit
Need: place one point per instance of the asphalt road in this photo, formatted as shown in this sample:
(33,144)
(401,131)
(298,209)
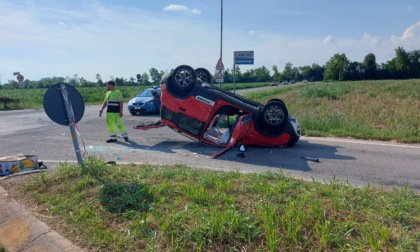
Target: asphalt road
(31,131)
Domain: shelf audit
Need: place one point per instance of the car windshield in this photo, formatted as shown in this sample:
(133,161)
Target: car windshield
(146,93)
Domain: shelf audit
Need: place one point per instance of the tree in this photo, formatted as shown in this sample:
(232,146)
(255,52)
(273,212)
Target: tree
(238,74)
(337,68)
(317,72)
(156,75)
(99,81)
(296,74)
(145,79)
(287,73)
(369,67)
(119,81)
(262,74)
(402,64)
(276,74)
(414,58)
(354,71)
(227,75)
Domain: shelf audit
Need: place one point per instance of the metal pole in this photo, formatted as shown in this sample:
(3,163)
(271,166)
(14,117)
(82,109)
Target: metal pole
(234,78)
(69,113)
(221,28)
(221,33)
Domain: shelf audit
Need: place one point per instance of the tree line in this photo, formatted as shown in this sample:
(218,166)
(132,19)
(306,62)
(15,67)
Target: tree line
(405,65)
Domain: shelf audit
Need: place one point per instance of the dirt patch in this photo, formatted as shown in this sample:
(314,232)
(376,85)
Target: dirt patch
(13,184)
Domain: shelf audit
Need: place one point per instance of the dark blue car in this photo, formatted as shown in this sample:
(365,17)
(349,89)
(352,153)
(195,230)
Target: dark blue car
(147,102)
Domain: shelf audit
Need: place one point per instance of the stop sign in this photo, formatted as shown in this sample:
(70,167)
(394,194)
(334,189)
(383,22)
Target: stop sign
(20,78)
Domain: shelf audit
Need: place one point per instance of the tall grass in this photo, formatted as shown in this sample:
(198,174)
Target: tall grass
(177,208)
(34,98)
(380,110)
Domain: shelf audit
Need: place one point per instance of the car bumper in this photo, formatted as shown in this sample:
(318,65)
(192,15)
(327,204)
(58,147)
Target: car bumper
(140,109)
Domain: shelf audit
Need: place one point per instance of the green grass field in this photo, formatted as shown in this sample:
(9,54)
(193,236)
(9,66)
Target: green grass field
(377,110)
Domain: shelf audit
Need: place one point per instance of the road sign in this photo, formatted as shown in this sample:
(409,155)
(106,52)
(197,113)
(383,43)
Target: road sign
(219,65)
(219,76)
(244,57)
(16,73)
(20,78)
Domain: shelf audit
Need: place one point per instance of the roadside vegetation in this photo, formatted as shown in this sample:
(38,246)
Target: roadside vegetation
(178,208)
(34,98)
(378,110)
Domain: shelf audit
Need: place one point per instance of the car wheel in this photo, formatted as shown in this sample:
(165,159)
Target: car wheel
(275,114)
(183,78)
(203,74)
(291,143)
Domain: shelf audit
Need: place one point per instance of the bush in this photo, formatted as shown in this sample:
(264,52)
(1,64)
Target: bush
(7,100)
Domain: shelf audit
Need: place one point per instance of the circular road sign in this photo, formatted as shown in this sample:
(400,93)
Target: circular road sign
(20,78)
(54,104)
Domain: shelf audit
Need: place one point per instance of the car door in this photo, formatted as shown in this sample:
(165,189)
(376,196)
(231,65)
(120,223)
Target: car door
(238,133)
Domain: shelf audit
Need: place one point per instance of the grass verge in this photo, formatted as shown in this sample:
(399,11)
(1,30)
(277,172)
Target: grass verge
(178,208)
(384,110)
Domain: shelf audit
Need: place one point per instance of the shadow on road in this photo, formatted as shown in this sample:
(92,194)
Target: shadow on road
(289,158)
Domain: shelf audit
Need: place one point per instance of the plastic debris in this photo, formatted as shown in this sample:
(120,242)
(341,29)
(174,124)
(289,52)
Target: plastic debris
(311,159)
(242,155)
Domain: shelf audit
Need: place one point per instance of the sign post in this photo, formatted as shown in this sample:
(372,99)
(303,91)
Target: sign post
(219,75)
(20,78)
(64,105)
(241,58)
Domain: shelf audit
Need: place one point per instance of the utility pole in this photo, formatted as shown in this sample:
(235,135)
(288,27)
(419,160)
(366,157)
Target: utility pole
(221,34)
(221,28)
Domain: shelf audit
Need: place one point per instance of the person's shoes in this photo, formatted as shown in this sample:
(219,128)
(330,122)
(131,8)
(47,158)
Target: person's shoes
(111,140)
(126,139)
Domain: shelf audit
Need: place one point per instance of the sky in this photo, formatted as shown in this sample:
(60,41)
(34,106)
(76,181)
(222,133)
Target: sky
(120,39)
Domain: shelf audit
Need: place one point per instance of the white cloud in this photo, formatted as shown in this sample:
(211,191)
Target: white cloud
(410,38)
(176,7)
(195,11)
(411,32)
(370,40)
(328,40)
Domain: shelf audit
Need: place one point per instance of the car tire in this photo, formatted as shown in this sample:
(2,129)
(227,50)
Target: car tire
(291,143)
(275,114)
(203,74)
(183,79)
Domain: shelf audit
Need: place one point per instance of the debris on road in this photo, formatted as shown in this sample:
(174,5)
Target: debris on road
(311,159)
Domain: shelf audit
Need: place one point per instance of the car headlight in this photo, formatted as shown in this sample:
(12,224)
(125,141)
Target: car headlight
(149,102)
(130,101)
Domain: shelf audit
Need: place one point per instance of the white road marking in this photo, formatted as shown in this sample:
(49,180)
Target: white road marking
(361,142)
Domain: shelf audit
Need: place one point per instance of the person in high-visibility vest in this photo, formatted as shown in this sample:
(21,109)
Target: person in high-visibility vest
(114,104)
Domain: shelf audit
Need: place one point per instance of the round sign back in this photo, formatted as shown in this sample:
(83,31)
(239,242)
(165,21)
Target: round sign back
(54,103)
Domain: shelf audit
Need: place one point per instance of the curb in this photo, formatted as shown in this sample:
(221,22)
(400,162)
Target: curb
(20,230)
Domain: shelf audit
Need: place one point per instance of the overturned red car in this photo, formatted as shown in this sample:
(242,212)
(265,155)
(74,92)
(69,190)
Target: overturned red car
(192,106)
